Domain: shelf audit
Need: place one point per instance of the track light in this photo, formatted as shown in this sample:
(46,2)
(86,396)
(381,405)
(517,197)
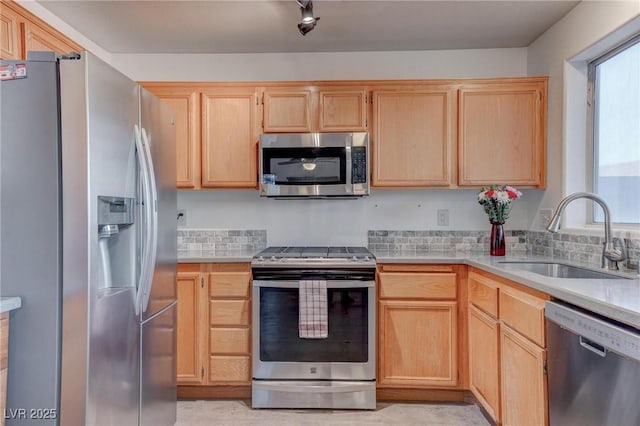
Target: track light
(308,21)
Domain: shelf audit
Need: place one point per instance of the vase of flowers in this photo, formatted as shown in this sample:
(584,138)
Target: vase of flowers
(496,201)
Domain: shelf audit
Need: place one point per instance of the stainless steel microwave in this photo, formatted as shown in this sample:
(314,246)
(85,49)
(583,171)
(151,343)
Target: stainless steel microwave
(314,165)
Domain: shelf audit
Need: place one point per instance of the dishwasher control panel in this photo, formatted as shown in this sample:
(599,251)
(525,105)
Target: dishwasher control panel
(613,337)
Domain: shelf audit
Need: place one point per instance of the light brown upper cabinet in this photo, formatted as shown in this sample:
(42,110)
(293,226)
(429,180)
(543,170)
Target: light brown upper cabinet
(502,131)
(37,38)
(342,109)
(413,136)
(287,109)
(229,137)
(11,44)
(323,108)
(185,102)
(22,32)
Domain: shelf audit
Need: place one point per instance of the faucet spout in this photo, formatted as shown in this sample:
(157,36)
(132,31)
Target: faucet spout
(610,255)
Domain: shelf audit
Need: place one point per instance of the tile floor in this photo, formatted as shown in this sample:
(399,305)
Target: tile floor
(239,413)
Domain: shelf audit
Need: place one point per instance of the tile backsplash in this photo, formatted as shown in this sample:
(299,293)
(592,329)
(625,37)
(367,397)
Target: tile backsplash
(576,248)
(231,240)
(425,242)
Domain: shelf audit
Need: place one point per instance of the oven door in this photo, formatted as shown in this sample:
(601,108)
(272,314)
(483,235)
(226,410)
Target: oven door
(348,353)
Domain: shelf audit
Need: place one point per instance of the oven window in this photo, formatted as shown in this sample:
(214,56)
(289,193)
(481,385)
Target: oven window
(348,324)
(305,166)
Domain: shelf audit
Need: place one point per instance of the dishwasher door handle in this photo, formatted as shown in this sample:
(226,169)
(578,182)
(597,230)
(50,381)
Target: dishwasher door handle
(593,347)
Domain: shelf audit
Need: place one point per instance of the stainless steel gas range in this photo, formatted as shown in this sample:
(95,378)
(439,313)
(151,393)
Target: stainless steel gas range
(331,289)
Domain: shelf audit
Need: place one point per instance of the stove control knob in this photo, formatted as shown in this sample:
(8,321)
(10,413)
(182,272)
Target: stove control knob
(354,259)
(367,258)
(283,260)
(273,258)
(261,258)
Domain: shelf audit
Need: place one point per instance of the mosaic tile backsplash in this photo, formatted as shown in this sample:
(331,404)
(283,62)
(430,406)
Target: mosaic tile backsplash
(219,240)
(576,248)
(425,242)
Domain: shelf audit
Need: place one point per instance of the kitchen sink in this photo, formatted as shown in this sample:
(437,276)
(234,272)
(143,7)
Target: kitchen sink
(559,270)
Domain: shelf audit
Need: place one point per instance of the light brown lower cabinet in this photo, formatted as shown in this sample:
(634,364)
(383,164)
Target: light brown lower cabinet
(214,334)
(484,361)
(507,350)
(4,361)
(420,331)
(523,380)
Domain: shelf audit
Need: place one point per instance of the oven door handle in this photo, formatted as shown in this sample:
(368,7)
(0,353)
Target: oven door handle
(330,284)
(312,387)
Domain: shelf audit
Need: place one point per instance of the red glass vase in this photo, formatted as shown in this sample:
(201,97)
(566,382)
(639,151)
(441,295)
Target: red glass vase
(496,239)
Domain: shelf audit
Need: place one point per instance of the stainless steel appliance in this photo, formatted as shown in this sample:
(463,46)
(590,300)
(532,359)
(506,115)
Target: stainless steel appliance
(88,229)
(593,368)
(314,165)
(338,371)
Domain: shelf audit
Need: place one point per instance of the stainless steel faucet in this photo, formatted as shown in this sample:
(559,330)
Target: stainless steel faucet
(610,255)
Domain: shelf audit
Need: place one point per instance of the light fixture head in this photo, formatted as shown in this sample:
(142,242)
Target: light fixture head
(308,21)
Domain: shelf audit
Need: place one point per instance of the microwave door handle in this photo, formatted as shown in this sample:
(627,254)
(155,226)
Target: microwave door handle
(348,167)
(153,208)
(146,210)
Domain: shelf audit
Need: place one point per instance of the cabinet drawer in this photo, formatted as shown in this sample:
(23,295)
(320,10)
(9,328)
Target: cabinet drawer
(524,313)
(227,369)
(229,312)
(399,285)
(229,340)
(483,293)
(229,284)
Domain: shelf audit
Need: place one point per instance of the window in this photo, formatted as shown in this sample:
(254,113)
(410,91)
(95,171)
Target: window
(615,105)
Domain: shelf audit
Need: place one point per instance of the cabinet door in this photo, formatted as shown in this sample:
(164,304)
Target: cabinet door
(342,109)
(484,364)
(11,42)
(37,38)
(413,137)
(523,383)
(186,107)
(418,344)
(192,327)
(287,110)
(502,134)
(229,138)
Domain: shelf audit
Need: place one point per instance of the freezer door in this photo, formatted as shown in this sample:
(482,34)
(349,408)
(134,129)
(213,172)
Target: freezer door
(158,369)
(30,236)
(101,331)
(157,123)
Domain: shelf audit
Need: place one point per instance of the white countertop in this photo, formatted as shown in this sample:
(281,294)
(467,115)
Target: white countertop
(9,303)
(618,299)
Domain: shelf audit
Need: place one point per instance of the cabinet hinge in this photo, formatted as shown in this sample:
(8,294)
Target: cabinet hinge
(202,372)
(544,367)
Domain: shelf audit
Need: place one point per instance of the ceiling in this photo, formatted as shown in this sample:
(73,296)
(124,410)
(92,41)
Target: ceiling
(242,26)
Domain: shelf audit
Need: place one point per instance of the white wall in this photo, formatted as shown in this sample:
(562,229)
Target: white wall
(562,53)
(325,66)
(334,221)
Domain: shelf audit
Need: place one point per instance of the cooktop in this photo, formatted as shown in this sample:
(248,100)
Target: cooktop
(314,255)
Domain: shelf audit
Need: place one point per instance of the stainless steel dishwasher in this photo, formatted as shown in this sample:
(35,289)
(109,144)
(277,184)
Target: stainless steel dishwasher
(593,368)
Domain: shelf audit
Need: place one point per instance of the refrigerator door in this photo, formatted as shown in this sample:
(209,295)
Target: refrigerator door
(100,328)
(30,238)
(157,127)
(158,369)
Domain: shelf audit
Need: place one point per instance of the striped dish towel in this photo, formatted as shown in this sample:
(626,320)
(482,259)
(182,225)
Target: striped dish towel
(312,321)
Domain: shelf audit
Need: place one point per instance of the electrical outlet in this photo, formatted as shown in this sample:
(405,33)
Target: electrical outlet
(544,216)
(443,217)
(182,218)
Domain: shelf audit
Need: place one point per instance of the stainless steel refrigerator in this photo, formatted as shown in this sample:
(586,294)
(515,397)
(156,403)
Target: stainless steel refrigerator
(88,240)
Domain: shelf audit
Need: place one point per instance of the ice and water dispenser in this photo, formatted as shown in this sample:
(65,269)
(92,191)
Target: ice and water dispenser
(116,242)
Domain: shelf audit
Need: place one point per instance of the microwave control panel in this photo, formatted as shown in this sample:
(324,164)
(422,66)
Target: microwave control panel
(358,164)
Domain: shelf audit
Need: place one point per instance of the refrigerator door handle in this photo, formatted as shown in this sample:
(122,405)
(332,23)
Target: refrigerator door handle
(153,207)
(146,196)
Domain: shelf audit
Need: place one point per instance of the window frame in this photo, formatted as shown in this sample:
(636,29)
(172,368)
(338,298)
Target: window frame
(592,124)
